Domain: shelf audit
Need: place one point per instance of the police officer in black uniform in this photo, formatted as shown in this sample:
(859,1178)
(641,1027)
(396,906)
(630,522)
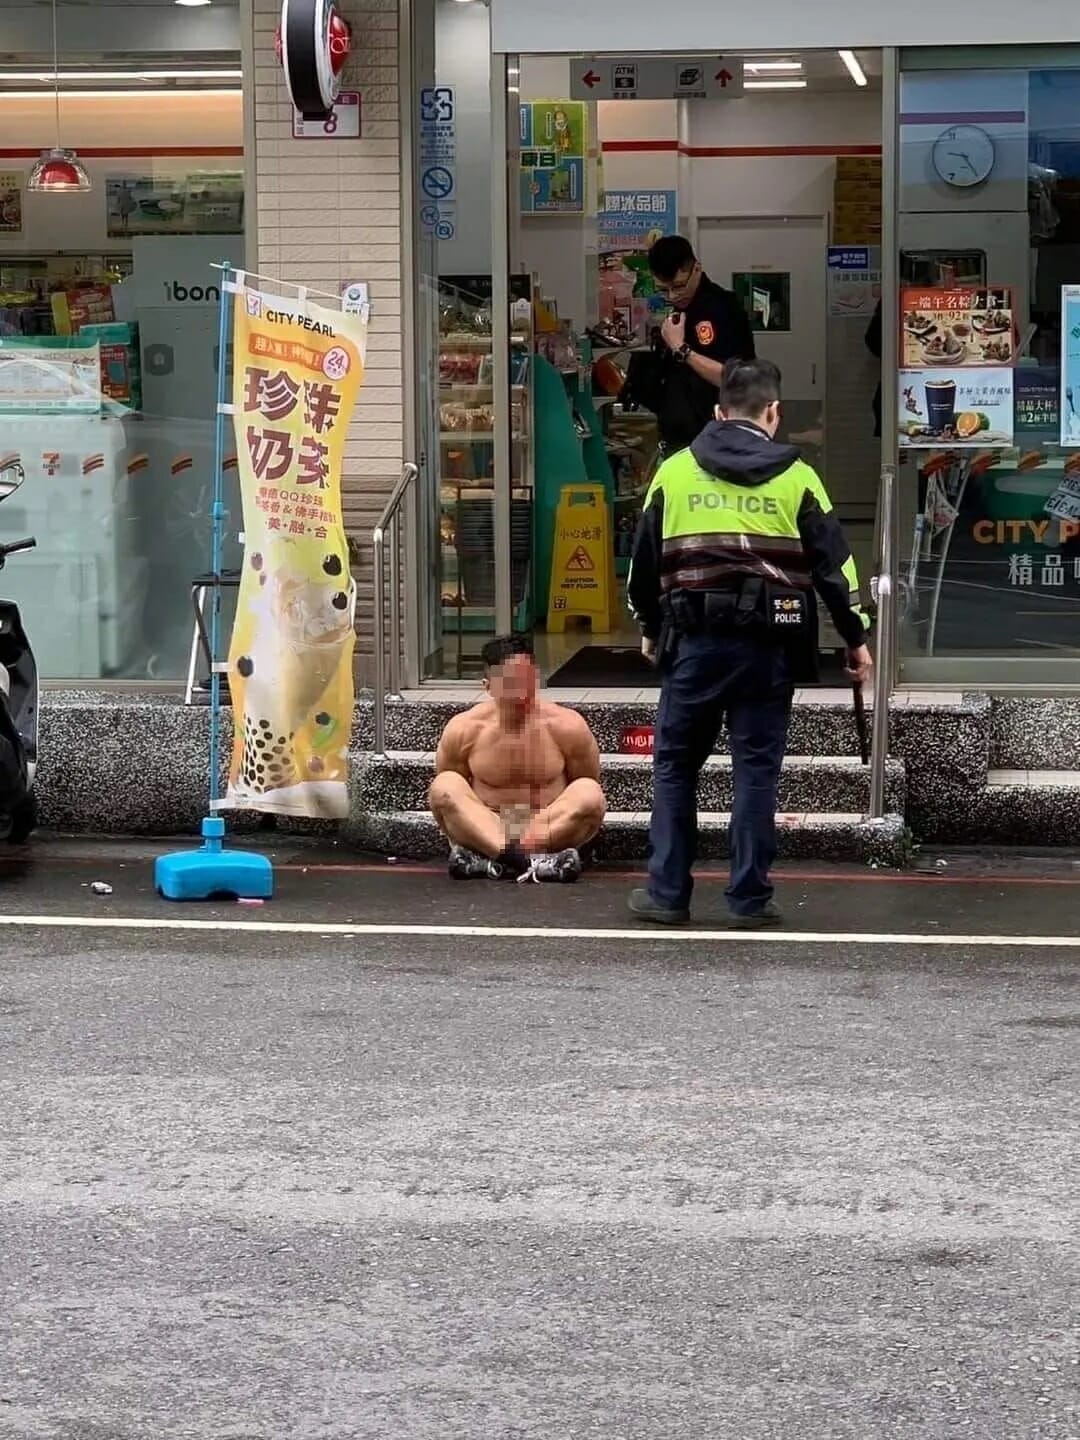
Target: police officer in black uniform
(706,328)
(736,536)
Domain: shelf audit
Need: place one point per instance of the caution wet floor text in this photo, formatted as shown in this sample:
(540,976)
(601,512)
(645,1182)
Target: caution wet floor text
(583,567)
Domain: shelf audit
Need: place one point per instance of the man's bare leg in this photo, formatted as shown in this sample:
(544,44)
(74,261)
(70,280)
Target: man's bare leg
(569,822)
(463,817)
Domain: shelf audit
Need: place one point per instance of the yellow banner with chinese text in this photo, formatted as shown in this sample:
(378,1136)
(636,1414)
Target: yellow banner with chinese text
(297,370)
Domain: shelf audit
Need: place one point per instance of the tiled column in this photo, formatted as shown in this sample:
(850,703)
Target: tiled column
(327,212)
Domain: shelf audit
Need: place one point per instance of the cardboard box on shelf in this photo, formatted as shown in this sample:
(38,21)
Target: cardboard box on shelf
(856,225)
(857,192)
(858,167)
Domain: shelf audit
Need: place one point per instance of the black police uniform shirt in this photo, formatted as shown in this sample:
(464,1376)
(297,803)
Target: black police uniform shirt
(718,327)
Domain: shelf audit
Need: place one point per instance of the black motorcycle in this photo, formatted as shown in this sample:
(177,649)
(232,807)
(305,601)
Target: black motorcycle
(18,699)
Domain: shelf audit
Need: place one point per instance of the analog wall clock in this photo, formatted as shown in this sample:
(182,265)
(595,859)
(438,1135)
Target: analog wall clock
(964,156)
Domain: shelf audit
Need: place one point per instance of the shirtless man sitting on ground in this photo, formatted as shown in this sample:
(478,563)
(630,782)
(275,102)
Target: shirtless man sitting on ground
(517,782)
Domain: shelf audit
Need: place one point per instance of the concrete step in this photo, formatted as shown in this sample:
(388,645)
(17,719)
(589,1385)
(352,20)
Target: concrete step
(808,783)
(1023,807)
(624,838)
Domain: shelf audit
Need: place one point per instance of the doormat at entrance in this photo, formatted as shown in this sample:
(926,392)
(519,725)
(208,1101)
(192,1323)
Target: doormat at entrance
(624,667)
(620,666)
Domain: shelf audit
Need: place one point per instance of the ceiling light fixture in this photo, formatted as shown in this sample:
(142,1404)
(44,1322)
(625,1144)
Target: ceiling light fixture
(153,92)
(192,4)
(775,85)
(58,170)
(854,69)
(773,67)
(88,76)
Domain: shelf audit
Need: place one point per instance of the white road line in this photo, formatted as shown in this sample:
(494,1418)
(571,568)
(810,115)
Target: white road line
(512,932)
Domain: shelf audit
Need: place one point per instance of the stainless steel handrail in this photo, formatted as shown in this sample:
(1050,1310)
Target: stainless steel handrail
(388,528)
(885,658)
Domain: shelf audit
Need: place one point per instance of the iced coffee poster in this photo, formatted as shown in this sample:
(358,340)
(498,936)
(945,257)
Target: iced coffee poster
(956,328)
(297,370)
(956,408)
(1070,365)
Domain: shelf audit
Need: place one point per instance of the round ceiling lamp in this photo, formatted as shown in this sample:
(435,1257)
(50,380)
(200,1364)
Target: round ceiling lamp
(58,171)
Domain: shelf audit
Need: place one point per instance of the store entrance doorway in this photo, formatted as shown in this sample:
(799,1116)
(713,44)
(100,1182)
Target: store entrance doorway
(774,266)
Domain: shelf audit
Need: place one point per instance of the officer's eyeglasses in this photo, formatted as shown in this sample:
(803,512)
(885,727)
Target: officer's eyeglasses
(678,284)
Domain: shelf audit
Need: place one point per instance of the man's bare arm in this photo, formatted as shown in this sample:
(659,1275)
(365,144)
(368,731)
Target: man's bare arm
(579,748)
(453,751)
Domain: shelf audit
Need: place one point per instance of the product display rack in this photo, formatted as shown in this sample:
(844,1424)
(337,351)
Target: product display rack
(467,409)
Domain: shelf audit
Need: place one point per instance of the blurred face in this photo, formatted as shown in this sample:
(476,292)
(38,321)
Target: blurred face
(513,683)
(681,288)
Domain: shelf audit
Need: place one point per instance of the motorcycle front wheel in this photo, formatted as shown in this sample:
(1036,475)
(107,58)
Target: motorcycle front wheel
(24,819)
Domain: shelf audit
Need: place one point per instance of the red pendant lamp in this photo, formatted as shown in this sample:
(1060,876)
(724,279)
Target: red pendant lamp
(58,171)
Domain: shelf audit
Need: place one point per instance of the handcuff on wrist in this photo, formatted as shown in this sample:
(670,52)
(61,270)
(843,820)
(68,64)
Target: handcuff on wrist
(682,354)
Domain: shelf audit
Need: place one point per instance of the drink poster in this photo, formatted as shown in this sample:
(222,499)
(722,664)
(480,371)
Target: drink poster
(956,408)
(1038,409)
(1070,365)
(957,328)
(554,142)
(297,371)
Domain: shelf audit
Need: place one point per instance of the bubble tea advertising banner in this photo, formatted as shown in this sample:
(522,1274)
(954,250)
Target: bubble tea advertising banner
(297,371)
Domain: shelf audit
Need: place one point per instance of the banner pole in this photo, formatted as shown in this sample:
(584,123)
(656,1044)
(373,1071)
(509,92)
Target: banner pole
(217,532)
(212,872)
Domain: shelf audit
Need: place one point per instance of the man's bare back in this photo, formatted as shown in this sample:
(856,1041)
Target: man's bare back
(517,779)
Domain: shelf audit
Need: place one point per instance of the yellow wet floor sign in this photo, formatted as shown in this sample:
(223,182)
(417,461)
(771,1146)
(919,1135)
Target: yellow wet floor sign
(583,563)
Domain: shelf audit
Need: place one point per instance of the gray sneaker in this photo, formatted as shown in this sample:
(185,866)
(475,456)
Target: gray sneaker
(561,869)
(468,865)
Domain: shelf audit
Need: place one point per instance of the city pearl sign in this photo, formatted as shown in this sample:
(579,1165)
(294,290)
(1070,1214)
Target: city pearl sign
(312,43)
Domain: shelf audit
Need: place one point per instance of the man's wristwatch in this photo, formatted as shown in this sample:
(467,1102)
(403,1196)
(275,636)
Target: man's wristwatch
(682,354)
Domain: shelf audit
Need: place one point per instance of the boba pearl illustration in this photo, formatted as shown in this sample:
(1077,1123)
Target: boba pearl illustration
(303,629)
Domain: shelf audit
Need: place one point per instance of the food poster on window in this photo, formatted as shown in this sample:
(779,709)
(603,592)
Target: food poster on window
(199,202)
(1070,365)
(554,144)
(629,223)
(49,375)
(957,408)
(956,328)
(11,185)
(298,368)
(996,561)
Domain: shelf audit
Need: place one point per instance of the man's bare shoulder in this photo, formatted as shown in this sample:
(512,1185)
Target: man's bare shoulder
(465,726)
(563,722)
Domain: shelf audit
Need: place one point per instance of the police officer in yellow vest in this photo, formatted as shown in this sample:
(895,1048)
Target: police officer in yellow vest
(736,536)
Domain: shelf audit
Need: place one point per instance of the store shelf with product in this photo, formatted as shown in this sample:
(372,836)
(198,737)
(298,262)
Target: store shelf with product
(467,432)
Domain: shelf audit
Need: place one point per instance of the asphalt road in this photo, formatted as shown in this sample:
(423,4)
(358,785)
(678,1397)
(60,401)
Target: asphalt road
(259,1184)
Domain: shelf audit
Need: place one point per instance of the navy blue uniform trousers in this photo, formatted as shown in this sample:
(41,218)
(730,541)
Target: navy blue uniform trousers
(711,678)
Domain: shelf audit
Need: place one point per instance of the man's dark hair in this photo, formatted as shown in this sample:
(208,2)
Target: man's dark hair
(749,387)
(669,255)
(496,652)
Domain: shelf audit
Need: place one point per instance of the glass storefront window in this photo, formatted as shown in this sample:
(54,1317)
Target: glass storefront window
(108,363)
(989,230)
